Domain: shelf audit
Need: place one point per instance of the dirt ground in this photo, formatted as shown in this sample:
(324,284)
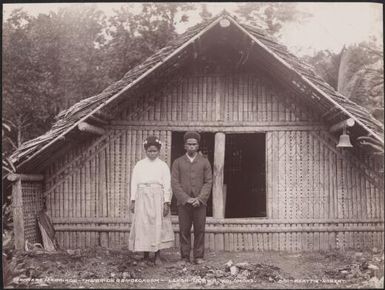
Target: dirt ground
(103,268)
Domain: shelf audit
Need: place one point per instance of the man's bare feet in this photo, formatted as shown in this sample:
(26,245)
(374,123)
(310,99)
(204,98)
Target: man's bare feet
(183,262)
(158,261)
(199,261)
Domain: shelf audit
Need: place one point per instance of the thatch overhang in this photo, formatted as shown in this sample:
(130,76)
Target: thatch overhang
(275,59)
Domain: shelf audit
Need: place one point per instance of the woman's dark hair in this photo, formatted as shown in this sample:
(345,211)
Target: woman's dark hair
(152,141)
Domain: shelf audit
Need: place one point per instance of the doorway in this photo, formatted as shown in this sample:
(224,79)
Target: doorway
(244,175)
(206,147)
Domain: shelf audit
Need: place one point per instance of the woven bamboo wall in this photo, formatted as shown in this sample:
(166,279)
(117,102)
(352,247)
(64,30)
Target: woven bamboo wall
(337,199)
(309,178)
(93,179)
(32,205)
(235,98)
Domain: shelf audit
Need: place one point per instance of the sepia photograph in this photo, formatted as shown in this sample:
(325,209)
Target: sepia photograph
(192,145)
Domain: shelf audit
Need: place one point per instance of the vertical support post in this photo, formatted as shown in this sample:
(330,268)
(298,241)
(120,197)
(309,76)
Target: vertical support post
(219,161)
(219,99)
(18,215)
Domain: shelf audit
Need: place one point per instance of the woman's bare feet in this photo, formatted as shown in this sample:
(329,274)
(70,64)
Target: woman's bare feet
(146,256)
(145,259)
(157,260)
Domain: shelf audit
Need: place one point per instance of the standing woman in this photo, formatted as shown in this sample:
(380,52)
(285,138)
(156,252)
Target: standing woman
(151,228)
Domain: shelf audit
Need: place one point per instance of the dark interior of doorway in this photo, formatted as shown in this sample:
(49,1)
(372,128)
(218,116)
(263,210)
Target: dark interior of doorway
(206,147)
(244,175)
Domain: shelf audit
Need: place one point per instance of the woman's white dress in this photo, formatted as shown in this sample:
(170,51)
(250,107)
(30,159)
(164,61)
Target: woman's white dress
(150,188)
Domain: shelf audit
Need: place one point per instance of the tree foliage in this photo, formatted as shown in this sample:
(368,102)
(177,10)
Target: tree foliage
(49,62)
(24,98)
(269,15)
(326,64)
(135,36)
(205,14)
(357,72)
(361,75)
(67,46)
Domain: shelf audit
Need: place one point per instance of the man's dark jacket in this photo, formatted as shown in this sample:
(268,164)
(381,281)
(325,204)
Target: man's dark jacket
(191,179)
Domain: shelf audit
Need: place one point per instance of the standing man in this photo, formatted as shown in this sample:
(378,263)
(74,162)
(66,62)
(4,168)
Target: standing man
(191,181)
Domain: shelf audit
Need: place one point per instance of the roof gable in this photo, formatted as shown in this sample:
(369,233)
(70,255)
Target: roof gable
(296,73)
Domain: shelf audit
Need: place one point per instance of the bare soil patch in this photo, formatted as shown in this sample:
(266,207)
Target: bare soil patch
(107,268)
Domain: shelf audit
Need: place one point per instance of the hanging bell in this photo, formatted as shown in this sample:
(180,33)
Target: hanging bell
(344,141)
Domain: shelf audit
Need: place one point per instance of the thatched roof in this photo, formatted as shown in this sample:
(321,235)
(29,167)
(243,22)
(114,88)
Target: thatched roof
(303,76)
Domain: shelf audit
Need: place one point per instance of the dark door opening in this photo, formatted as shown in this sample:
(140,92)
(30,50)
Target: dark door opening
(206,147)
(244,175)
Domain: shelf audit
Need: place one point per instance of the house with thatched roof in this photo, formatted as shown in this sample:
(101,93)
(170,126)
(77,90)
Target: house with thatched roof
(297,166)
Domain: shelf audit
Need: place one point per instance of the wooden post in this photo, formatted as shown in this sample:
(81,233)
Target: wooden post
(219,161)
(224,199)
(25,177)
(98,120)
(85,127)
(346,123)
(18,215)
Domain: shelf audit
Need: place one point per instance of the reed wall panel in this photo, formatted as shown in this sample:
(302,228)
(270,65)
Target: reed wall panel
(32,205)
(315,180)
(97,183)
(227,98)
